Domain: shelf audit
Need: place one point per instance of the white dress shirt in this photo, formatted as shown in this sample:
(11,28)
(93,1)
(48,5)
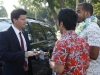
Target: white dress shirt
(18,36)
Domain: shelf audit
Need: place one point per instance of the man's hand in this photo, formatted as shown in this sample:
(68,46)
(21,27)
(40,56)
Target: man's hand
(46,53)
(26,68)
(52,64)
(30,53)
(34,53)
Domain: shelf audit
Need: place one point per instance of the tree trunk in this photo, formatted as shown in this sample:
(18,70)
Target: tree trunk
(55,17)
(61,2)
(77,2)
(51,6)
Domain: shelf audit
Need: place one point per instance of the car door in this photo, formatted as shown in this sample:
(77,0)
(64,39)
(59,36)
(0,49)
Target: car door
(50,36)
(39,38)
(38,41)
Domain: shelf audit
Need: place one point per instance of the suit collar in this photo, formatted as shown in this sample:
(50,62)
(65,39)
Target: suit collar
(14,36)
(15,39)
(16,30)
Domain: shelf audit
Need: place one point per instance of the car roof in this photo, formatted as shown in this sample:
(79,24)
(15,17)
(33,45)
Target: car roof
(6,22)
(4,25)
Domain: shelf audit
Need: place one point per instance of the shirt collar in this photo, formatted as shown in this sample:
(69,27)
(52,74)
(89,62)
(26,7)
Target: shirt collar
(16,30)
(68,33)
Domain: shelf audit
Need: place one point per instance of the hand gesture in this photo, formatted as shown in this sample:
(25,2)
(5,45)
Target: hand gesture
(30,53)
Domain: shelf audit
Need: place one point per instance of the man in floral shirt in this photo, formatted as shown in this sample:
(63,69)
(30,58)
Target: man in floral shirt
(71,53)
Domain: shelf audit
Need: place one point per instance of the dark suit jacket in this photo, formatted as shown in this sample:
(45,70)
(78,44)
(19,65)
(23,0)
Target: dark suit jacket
(11,53)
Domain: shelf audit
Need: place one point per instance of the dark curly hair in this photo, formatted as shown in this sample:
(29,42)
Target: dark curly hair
(68,17)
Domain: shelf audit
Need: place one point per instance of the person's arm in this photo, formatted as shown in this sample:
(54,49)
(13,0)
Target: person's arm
(93,38)
(56,67)
(5,53)
(58,60)
(94,52)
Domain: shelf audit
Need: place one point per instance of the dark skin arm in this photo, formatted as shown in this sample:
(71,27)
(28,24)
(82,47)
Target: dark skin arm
(94,52)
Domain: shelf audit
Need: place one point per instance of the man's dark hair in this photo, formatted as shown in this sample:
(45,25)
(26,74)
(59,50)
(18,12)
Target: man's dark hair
(15,14)
(68,17)
(87,7)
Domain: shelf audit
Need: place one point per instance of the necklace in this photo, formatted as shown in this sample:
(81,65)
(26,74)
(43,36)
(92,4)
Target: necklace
(85,23)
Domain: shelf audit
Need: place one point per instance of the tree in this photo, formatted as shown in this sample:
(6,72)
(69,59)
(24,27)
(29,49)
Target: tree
(96,6)
(94,1)
(53,5)
(3,12)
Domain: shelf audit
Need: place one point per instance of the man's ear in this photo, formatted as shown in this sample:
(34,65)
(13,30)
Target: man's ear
(87,14)
(14,20)
(61,24)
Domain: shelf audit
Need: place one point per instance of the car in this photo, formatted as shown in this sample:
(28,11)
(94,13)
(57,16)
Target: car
(42,37)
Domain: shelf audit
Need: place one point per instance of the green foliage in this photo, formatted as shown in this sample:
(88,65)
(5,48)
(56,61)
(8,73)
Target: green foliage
(3,12)
(95,1)
(97,8)
(39,8)
(71,4)
(53,5)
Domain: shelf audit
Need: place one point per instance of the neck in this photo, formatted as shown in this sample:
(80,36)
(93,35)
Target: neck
(63,31)
(17,27)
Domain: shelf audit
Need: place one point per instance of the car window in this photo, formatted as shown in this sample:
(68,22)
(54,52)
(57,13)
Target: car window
(48,32)
(38,32)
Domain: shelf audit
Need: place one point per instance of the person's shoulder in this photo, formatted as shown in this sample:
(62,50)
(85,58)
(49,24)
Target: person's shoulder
(58,41)
(61,42)
(82,40)
(4,32)
(93,27)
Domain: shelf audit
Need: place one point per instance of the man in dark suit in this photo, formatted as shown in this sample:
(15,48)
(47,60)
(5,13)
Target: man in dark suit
(14,46)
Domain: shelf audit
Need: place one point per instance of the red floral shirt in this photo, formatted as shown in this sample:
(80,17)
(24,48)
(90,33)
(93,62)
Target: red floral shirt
(72,52)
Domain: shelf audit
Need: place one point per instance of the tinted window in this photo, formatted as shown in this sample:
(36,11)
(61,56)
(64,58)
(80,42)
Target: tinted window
(48,32)
(27,29)
(38,32)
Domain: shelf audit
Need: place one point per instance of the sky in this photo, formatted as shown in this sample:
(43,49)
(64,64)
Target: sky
(8,4)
